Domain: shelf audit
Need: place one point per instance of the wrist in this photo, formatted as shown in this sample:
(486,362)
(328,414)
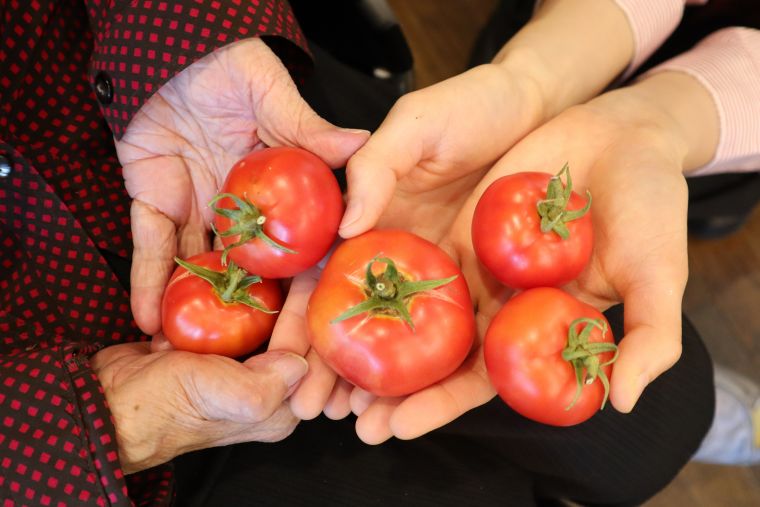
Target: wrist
(685,110)
(139,445)
(529,92)
(671,109)
(533,79)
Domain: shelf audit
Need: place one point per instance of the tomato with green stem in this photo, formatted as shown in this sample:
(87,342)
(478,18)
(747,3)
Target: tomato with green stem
(391,313)
(550,356)
(531,230)
(212,309)
(278,211)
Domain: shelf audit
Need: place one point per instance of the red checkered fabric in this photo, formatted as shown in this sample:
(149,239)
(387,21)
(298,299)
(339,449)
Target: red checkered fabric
(62,202)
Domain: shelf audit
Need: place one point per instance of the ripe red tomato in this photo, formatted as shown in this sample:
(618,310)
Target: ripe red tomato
(408,319)
(195,317)
(508,238)
(287,216)
(525,356)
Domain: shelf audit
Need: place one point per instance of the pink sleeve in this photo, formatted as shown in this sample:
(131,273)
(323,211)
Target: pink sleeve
(727,63)
(652,21)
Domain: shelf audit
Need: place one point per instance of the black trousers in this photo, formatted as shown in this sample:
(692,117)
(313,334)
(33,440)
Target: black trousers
(489,456)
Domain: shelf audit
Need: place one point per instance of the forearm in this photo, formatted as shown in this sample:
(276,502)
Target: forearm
(570,50)
(573,49)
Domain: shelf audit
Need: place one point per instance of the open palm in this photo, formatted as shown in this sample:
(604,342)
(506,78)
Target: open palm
(633,171)
(415,173)
(179,147)
(639,215)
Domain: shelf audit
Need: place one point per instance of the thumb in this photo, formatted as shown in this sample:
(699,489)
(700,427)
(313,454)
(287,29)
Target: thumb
(652,342)
(254,392)
(373,171)
(287,120)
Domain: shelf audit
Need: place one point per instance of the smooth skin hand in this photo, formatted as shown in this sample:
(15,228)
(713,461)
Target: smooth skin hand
(629,148)
(417,170)
(180,146)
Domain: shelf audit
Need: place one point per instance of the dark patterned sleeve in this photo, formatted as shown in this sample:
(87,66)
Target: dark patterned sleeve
(58,306)
(60,441)
(141,44)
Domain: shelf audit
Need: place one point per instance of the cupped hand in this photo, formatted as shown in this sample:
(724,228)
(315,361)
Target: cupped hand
(433,147)
(168,403)
(631,163)
(630,158)
(415,173)
(179,147)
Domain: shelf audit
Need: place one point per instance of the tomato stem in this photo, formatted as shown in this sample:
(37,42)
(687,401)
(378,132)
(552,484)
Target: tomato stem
(247,222)
(584,356)
(231,285)
(553,210)
(390,293)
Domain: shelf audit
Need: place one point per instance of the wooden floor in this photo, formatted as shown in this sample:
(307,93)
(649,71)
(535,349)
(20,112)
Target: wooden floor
(723,294)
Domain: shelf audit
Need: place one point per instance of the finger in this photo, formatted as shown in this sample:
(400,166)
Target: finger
(360,400)
(286,119)
(290,331)
(338,405)
(155,245)
(308,401)
(441,403)
(652,342)
(193,239)
(373,426)
(372,173)
(246,395)
(160,343)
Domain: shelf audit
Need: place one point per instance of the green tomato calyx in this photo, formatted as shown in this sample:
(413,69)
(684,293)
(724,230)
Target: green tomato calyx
(231,285)
(584,356)
(247,222)
(553,210)
(389,293)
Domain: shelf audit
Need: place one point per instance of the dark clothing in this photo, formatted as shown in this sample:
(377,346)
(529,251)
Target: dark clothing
(72,75)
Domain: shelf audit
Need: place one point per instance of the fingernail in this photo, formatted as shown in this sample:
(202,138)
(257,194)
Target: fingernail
(352,215)
(355,131)
(291,367)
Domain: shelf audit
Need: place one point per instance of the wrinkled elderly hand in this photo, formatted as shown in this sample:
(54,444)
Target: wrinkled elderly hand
(168,403)
(179,147)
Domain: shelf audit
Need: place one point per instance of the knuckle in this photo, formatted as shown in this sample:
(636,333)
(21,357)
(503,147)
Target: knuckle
(283,424)
(259,407)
